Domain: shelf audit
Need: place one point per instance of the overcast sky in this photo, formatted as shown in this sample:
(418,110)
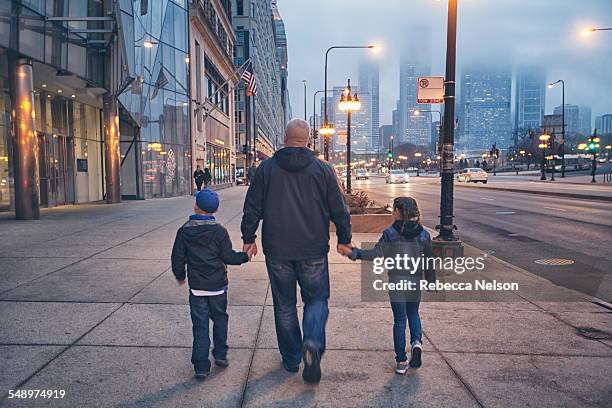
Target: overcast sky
(509,32)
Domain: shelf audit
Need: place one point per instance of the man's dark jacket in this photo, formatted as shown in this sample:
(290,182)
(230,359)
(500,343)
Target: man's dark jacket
(296,195)
(198,176)
(204,246)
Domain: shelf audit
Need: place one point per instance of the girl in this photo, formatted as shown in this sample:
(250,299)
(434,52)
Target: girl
(405,237)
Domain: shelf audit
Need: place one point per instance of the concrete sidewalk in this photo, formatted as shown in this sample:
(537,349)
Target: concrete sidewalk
(88,305)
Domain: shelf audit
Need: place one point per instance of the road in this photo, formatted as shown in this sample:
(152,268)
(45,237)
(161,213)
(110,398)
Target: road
(522,228)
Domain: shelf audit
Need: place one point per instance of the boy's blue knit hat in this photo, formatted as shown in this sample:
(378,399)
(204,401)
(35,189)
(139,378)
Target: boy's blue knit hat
(207,200)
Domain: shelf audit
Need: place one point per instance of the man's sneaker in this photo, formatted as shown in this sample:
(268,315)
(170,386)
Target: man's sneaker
(401,367)
(415,356)
(222,362)
(312,364)
(291,368)
(201,375)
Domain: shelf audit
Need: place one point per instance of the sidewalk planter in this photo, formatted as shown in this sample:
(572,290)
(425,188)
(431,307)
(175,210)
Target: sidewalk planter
(369,223)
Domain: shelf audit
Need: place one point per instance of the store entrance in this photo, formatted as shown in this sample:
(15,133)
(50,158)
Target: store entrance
(56,169)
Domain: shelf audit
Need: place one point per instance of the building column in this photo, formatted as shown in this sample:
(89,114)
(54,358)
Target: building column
(24,139)
(112,159)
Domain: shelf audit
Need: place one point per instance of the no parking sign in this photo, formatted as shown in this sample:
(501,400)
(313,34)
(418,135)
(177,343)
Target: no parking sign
(430,90)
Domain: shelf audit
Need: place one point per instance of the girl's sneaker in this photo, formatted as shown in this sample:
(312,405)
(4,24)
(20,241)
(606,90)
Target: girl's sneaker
(415,355)
(401,367)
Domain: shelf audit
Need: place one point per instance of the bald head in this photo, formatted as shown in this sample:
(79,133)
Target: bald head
(297,133)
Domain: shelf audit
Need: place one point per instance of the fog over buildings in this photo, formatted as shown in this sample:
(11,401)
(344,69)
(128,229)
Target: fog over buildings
(502,34)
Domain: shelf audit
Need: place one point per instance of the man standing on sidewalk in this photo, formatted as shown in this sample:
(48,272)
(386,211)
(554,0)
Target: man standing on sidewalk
(296,195)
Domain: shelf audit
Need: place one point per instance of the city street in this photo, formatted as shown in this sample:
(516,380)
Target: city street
(523,228)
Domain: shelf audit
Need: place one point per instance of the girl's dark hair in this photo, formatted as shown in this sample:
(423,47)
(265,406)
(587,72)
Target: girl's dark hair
(407,207)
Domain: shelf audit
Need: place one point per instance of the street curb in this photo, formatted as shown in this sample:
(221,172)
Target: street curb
(544,193)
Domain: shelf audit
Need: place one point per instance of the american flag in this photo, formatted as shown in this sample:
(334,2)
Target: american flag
(248,76)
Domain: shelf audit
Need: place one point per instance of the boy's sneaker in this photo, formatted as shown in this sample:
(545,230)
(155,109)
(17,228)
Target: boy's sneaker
(312,364)
(401,367)
(221,362)
(415,356)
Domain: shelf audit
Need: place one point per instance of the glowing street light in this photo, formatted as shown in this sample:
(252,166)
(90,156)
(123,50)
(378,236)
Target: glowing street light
(348,103)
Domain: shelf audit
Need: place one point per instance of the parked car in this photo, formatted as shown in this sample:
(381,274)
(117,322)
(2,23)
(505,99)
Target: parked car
(473,175)
(396,176)
(362,174)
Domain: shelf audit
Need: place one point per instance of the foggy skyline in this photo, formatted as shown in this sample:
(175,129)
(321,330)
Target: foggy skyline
(504,32)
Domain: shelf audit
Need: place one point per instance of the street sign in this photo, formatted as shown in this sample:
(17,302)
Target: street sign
(430,90)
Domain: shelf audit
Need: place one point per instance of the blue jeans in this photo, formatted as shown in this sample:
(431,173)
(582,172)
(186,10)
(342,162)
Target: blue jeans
(405,305)
(313,277)
(202,309)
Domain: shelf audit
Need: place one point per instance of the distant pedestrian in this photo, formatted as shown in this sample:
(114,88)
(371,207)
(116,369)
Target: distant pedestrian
(405,237)
(207,177)
(297,195)
(204,247)
(198,177)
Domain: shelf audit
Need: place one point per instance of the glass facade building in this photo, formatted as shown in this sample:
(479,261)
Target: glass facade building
(60,62)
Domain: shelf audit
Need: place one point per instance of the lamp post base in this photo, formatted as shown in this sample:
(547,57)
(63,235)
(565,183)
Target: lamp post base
(447,249)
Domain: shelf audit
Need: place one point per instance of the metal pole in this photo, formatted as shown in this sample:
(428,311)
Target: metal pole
(24,139)
(562,128)
(348,150)
(552,151)
(305,113)
(446,227)
(325,122)
(543,169)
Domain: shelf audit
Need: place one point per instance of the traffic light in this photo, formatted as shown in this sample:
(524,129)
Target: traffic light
(244,149)
(390,154)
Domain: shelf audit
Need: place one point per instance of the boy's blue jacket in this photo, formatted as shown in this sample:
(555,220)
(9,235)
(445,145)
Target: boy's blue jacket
(401,238)
(204,246)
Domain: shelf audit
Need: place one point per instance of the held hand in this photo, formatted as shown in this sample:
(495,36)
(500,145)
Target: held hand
(180,282)
(250,249)
(345,249)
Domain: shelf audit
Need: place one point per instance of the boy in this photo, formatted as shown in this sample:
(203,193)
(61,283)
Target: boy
(204,246)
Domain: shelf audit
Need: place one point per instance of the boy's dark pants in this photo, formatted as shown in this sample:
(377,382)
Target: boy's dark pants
(202,309)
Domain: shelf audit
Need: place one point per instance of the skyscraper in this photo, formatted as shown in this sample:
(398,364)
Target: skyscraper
(360,123)
(584,116)
(260,117)
(603,124)
(369,86)
(529,100)
(415,61)
(572,118)
(282,60)
(485,108)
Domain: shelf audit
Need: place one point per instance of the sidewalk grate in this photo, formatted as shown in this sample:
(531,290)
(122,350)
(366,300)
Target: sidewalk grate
(554,261)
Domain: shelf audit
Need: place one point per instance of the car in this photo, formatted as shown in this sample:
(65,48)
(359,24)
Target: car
(396,176)
(361,174)
(472,175)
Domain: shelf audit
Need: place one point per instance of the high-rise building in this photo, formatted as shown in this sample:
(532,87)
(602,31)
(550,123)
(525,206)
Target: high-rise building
(282,59)
(259,118)
(572,118)
(584,116)
(603,124)
(485,108)
(529,99)
(369,86)
(386,131)
(395,120)
(212,67)
(119,85)
(415,61)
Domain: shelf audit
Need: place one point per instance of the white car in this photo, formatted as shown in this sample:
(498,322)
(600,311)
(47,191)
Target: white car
(473,175)
(396,176)
(361,174)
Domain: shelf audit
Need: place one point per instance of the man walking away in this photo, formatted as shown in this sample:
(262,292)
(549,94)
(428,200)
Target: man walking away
(296,195)
(207,177)
(198,177)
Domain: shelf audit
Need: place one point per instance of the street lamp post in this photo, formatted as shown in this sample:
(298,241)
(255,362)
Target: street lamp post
(562,144)
(304,82)
(417,156)
(348,103)
(543,143)
(447,242)
(390,155)
(326,122)
(314,119)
